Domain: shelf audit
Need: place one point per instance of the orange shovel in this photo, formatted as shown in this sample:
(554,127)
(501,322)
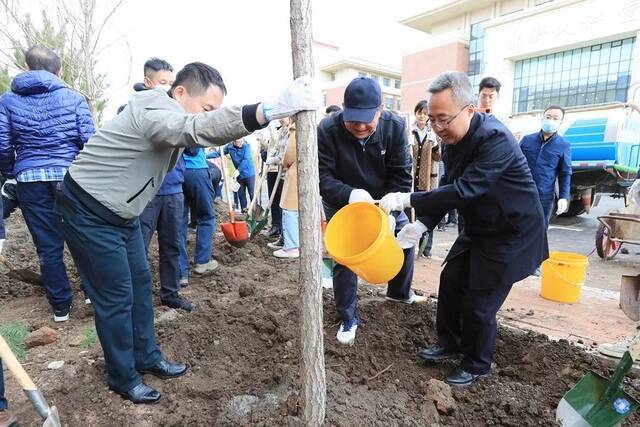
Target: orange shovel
(236,232)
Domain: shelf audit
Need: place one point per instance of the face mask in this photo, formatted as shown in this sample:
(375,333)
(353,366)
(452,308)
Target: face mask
(164,87)
(550,126)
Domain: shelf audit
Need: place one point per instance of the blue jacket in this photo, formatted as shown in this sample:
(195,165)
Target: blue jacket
(194,158)
(242,159)
(172,183)
(548,160)
(43,123)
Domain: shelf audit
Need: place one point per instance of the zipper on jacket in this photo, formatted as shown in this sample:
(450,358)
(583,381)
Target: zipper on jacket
(142,190)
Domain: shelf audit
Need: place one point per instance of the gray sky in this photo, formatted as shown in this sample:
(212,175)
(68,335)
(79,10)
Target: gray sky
(248,41)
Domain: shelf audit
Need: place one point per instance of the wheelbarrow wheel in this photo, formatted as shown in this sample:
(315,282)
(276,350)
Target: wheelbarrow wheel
(606,248)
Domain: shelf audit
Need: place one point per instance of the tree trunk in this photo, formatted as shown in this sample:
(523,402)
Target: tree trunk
(312,372)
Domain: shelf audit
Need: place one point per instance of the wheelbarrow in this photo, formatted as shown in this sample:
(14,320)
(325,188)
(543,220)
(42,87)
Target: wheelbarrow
(615,229)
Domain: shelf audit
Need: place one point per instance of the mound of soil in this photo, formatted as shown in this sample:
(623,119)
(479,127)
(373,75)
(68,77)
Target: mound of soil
(241,344)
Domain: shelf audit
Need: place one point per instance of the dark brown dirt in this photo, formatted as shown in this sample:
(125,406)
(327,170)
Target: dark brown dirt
(242,346)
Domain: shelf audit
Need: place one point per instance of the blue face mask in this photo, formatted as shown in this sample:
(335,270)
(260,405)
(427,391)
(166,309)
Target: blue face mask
(550,126)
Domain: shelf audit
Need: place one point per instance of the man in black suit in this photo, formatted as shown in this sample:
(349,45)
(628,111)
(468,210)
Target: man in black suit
(504,237)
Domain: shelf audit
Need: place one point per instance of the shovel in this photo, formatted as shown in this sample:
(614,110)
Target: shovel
(630,296)
(255,210)
(260,224)
(597,402)
(48,414)
(236,232)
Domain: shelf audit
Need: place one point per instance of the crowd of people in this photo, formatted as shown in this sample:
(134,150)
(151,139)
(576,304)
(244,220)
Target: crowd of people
(159,163)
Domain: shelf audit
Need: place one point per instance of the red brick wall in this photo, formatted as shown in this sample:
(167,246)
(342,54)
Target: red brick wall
(419,68)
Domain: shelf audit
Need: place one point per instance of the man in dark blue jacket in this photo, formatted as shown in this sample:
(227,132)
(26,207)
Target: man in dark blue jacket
(43,126)
(164,211)
(363,154)
(549,157)
(242,158)
(504,237)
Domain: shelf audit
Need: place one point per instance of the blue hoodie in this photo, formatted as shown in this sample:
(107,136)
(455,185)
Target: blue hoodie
(242,159)
(43,123)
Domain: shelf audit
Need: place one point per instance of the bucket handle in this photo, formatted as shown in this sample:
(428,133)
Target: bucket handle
(565,280)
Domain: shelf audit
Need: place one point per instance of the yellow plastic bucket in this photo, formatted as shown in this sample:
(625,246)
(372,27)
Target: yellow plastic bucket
(358,237)
(563,276)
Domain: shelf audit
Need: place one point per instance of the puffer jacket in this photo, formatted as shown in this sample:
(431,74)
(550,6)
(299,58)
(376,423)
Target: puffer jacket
(43,123)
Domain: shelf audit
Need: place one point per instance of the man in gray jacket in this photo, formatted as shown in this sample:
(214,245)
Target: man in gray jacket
(117,173)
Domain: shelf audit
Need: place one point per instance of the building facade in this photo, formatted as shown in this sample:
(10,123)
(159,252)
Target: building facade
(581,54)
(335,72)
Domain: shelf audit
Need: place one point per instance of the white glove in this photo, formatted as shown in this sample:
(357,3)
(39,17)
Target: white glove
(236,174)
(234,185)
(634,192)
(1,245)
(410,234)
(300,95)
(392,224)
(395,202)
(360,195)
(562,206)
(6,192)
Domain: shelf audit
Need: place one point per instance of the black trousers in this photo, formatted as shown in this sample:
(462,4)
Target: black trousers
(466,318)
(276,211)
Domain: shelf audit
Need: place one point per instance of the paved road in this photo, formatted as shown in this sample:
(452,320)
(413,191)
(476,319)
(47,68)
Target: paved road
(575,234)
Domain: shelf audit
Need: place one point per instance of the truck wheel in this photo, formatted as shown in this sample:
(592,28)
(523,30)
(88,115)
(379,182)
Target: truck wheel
(606,248)
(576,207)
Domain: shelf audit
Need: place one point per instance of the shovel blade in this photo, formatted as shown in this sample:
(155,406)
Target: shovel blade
(585,405)
(236,233)
(260,224)
(630,296)
(53,420)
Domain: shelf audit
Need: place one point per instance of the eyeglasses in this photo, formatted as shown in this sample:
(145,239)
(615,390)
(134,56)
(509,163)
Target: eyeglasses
(443,124)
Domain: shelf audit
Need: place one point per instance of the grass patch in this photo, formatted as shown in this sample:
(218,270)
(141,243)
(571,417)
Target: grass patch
(14,333)
(89,339)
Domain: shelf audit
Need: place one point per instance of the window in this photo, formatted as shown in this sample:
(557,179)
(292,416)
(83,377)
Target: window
(476,54)
(374,77)
(386,81)
(589,75)
(396,84)
(388,103)
(398,103)
(362,74)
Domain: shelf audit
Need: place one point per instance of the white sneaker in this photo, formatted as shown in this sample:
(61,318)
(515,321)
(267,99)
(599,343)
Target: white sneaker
(87,301)
(413,299)
(287,253)
(347,332)
(206,268)
(184,282)
(616,349)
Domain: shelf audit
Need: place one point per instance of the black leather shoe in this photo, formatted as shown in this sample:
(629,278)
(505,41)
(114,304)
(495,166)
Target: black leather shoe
(141,393)
(165,370)
(437,353)
(460,377)
(179,302)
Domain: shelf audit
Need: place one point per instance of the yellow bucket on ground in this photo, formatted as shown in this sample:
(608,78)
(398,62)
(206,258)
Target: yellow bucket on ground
(358,237)
(563,276)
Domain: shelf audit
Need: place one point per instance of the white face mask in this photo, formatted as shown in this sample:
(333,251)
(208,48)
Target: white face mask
(163,87)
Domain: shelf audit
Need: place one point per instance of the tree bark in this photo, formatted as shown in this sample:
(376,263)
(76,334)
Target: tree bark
(312,370)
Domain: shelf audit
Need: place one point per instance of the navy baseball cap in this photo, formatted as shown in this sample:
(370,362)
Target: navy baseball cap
(361,100)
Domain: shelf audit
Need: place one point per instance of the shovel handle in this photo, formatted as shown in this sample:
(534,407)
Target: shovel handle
(223,158)
(15,367)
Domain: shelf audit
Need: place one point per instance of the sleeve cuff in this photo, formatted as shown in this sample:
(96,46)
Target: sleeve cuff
(249,118)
